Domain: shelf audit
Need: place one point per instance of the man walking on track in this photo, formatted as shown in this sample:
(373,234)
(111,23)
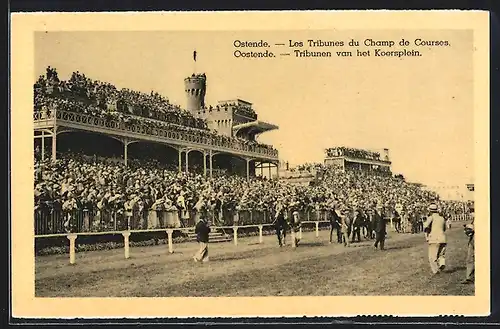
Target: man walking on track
(202,231)
(435,228)
(379,227)
(357,223)
(295,227)
(335,225)
(469,231)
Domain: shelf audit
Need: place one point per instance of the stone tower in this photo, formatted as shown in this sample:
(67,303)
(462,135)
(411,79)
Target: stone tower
(386,154)
(195,87)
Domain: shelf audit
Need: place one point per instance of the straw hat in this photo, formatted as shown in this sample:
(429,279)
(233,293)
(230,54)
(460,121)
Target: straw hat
(433,207)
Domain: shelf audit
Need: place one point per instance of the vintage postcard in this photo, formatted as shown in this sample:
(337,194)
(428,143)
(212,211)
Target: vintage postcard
(236,164)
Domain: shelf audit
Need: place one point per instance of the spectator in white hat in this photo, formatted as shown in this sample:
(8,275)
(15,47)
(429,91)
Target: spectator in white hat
(435,233)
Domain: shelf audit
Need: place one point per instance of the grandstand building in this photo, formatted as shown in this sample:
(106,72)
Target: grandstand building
(231,118)
(235,123)
(345,158)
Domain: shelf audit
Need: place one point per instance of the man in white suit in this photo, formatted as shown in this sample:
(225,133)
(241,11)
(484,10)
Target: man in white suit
(435,233)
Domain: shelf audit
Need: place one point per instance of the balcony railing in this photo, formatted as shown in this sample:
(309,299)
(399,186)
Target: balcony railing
(211,142)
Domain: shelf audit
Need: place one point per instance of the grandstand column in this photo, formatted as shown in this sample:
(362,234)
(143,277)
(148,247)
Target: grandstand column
(269,171)
(43,145)
(126,244)
(72,239)
(187,161)
(54,144)
(125,153)
(180,159)
(210,155)
(204,163)
(248,168)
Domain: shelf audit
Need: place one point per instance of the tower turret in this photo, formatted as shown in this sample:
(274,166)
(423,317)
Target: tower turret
(195,87)
(386,154)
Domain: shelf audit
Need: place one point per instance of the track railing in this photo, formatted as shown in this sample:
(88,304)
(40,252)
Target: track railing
(72,237)
(117,223)
(460,217)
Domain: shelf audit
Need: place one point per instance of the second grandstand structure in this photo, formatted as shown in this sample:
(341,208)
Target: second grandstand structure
(346,158)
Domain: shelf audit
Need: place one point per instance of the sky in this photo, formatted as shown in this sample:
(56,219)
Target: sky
(420,108)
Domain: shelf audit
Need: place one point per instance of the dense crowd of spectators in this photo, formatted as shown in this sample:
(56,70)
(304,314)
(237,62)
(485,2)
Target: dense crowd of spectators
(85,95)
(352,152)
(74,182)
(103,100)
(77,182)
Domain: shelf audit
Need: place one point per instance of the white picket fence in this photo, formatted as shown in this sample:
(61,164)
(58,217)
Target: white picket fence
(464,217)
(72,237)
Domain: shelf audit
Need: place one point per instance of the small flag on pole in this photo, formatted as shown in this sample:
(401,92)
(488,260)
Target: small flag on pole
(194,55)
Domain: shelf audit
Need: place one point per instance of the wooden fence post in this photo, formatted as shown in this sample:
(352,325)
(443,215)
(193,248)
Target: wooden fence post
(170,241)
(235,235)
(260,234)
(293,236)
(72,238)
(126,245)
(317,229)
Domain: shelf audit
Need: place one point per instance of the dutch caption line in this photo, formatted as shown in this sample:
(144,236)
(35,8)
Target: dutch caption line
(322,48)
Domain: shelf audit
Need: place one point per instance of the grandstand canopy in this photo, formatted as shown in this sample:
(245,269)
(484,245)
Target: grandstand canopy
(253,128)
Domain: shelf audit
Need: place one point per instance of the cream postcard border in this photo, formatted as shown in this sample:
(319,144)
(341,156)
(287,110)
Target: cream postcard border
(24,304)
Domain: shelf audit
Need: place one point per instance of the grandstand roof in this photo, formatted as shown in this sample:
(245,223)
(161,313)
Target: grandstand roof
(254,127)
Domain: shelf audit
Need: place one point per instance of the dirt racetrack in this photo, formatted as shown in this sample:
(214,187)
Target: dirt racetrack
(252,269)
